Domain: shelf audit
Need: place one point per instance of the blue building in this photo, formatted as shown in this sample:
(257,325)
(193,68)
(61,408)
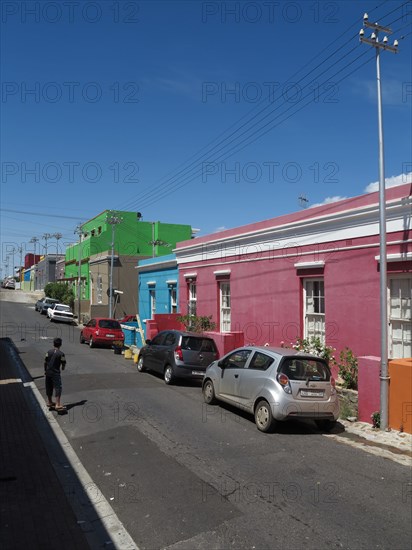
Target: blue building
(158,291)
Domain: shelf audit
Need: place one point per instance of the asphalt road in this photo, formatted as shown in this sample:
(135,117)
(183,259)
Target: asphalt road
(183,475)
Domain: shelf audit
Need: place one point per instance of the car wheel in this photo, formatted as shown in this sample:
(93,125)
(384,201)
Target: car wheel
(263,417)
(82,340)
(168,375)
(325,425)
(91,343)
(209,393)
(140,364)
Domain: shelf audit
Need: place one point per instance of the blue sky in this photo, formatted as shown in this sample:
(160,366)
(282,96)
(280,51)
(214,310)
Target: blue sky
(214,114)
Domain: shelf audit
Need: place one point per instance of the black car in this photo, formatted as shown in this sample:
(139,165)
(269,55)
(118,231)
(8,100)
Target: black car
(176,354)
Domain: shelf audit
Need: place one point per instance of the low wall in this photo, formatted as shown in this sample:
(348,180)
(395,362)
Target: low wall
(368,387)
(225,341)
(400,395)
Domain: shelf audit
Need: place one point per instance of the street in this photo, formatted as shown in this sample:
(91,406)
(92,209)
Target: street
(183,475)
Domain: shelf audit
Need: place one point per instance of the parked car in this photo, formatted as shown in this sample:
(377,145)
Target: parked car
(60,312)
(176,354)
(43,304)
(9,283)
(274,384)
(102,332)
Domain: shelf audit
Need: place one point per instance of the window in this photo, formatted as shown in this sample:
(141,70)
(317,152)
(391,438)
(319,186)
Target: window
(314,309)
(238,359)
(400,317)
(173,299)
(224,306)
(152,295)
(305,369)
(170,339)
(99,289)
(158,339)
(192,298)
(261,361)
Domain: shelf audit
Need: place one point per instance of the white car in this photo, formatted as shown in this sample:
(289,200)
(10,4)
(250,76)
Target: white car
(60,312)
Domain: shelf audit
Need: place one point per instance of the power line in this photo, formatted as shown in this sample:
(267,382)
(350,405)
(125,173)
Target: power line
(152,192)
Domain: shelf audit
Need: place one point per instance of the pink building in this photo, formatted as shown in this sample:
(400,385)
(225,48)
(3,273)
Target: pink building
(311,273)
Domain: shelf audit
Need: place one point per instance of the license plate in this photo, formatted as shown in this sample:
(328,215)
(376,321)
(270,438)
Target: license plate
(110,335)
(305,393)
(197,373)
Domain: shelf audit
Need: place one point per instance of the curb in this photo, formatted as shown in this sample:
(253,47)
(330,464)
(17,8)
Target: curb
(96,516)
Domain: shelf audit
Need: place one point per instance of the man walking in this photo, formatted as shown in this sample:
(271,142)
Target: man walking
(53,361)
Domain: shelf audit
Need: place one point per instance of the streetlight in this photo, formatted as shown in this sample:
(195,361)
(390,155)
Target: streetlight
(46,237)
(384,374)
(113,220)
(57,236)
(78,230)
(34,240)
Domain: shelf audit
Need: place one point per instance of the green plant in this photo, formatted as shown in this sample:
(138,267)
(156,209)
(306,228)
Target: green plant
(60,291)
(196,323)
(315,346)
(376,419)
(348,369)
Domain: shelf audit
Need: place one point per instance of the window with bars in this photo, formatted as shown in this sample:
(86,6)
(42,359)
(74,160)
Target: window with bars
(225,322)
(173,299)
(152,294)
(400,317)
(99,289)
(314,309)
(191,304)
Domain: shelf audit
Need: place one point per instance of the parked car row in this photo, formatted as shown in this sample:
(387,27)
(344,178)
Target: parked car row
(9,283)
(43,304)
(273,384)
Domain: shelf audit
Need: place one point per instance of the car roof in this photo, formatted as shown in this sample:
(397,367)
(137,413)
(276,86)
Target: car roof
(282,352)
(103,319)
(187,333)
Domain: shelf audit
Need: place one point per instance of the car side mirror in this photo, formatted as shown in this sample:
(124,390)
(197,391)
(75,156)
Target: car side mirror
(221,364)
(148,342)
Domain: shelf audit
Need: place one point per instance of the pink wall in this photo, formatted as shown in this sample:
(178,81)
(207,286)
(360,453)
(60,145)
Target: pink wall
(267,295)
(368,387)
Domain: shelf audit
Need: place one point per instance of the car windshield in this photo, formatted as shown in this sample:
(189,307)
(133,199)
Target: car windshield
(109,323)
(63,308)
(305,369)
(198,344)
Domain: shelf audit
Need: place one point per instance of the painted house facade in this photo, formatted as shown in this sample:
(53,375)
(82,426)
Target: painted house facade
(158,292)
(90,258)
(310,273)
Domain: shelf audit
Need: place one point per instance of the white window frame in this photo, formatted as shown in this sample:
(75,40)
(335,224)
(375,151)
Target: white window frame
(173,299)
(317,318)
(224,306)
(402,323)
(99,289)
(152,297)
(192,298)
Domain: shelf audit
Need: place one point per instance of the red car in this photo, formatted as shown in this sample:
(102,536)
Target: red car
(102,332)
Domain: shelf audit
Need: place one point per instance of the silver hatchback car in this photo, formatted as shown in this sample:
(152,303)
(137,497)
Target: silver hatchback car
(274,384)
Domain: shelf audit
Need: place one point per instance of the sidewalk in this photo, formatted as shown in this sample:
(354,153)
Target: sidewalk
(34,510)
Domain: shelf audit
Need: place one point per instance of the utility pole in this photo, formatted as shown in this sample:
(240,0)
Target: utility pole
(113,219)
(384,372)
(46,237)
(57,236)
(34,240)
(78,230)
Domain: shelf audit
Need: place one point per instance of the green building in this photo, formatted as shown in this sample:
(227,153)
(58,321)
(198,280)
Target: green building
(133,239)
